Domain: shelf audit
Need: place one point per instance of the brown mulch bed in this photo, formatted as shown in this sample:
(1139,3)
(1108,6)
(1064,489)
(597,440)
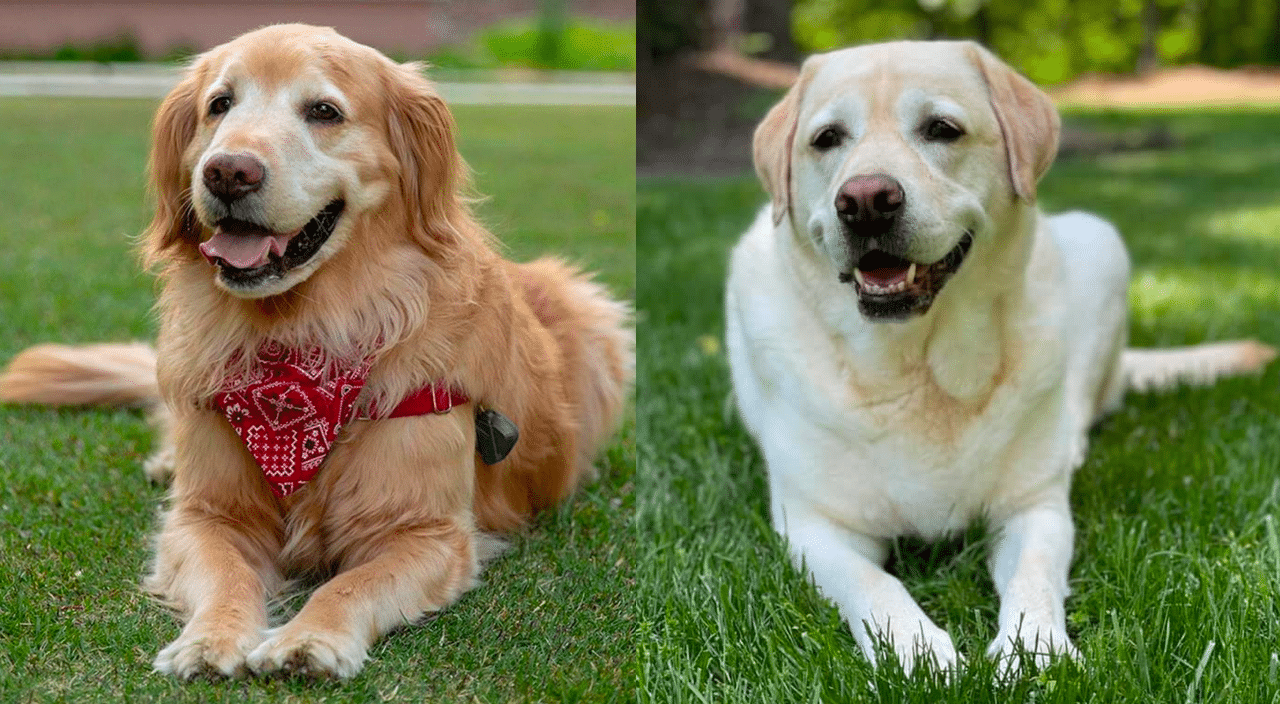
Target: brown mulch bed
(1182,85)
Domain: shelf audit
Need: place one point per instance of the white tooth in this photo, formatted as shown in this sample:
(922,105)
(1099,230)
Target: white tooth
(858,275)
(911,274)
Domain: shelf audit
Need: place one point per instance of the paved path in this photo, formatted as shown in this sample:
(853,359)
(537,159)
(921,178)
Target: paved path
(153,81)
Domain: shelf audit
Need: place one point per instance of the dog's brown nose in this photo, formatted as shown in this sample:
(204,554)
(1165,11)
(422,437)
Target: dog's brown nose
(869,204)
(233,176)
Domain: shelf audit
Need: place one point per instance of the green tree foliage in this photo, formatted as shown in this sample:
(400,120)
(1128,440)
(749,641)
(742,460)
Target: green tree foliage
(1056,40)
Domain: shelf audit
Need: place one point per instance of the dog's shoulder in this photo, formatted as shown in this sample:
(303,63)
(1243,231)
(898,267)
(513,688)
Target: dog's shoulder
(755,252)
(779,349)
(759,298)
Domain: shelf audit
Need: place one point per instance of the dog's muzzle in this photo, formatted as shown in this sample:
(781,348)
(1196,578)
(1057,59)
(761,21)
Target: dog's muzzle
(890,287)
(248,254)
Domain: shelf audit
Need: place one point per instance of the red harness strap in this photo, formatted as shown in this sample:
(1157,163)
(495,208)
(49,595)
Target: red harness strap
(436,398)
(289,409)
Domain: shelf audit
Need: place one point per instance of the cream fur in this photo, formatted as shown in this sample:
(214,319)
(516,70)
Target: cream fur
(978,407)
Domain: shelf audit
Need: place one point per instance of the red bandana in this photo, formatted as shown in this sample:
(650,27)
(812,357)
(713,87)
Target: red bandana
(290,407)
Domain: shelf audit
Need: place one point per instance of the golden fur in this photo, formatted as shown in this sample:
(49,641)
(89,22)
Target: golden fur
(397,513)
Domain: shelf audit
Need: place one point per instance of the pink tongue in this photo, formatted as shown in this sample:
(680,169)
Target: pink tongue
(885,276)
(243,251)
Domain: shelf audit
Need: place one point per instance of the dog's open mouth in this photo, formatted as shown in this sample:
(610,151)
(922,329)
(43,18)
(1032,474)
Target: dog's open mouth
(247,253)
(892,288)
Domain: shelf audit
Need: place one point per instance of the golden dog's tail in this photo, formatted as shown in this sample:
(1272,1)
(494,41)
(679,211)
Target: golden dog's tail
(1152,369)
(105,374)
(99,374)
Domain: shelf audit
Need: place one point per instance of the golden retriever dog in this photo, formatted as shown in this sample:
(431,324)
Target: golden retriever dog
(915,346)
(309,208)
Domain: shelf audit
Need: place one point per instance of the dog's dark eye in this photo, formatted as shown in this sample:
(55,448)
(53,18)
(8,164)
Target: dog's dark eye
(219,105)
(827,139)
(323,112)
(940,130)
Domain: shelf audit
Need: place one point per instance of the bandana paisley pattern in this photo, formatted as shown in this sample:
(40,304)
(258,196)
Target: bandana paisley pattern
(288,410)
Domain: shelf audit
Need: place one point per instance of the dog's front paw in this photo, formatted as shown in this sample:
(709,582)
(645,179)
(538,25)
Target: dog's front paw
(926,643)
(1040,645)
(310,654)
(916,642)
(202,651)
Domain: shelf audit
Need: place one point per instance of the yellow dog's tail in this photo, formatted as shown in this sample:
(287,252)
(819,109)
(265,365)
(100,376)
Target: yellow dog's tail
(98,374)
(1153,369)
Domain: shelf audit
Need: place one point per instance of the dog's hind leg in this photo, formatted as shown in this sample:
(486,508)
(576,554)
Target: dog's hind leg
(596,343)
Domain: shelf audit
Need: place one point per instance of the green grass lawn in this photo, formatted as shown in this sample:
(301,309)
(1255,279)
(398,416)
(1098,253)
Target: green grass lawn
(555,619)
(1177,568)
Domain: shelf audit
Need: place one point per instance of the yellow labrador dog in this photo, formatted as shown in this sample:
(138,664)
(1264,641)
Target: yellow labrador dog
(914,345)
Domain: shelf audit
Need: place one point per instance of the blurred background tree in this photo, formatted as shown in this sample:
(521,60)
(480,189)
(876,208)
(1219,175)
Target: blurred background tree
(710,68)
(1052,41)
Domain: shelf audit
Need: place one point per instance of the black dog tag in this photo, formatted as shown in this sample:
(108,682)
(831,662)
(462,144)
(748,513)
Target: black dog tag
(495,435)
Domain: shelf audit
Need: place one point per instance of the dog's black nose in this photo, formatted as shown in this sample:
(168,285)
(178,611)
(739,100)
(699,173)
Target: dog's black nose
(869,204)
(233,176)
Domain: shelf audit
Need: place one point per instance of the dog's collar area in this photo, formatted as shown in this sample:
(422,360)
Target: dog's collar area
(892,288)
(289,408)
(248,254)
(438,397)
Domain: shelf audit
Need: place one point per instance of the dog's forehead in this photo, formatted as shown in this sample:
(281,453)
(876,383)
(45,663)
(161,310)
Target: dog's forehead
(269,69)
(284,55)
(878,74)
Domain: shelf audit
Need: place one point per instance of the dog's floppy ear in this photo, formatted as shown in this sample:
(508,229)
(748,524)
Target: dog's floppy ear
(432,172)
(171,133)
(774,138)
(771,152)
(1028,120)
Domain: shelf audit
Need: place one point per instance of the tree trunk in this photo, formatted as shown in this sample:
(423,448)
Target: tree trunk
(1148,55)
(665,29)
(773,17)
(552,19)
(726,23)
(1271,50)
(982,25)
